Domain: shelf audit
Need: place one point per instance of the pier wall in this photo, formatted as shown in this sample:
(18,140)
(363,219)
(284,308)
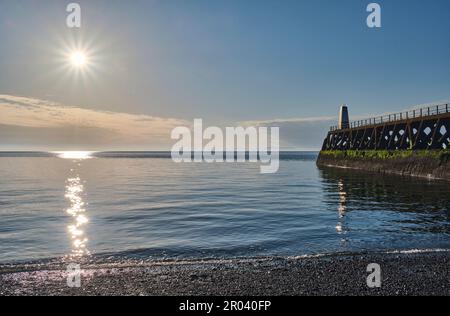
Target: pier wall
(424,164)
(414,143)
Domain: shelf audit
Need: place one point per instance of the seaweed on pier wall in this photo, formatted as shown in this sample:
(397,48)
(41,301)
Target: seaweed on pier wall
(386,154)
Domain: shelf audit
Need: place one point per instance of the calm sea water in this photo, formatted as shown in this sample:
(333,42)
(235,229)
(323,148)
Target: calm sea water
(135,205)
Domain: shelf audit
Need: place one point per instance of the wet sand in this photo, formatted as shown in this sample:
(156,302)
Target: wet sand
(402,274)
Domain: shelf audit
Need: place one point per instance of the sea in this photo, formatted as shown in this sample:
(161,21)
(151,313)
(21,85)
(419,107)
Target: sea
(144,206)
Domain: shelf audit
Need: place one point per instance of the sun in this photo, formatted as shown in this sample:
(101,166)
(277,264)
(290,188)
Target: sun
(78,59)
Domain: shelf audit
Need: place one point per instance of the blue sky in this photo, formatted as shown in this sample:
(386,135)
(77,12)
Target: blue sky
(231,61)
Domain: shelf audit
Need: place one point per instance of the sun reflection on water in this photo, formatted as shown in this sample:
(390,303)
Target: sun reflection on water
(75,155)
(74,193)
(342,207)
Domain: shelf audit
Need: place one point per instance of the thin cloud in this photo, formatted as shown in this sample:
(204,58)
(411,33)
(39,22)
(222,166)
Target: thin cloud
(305,133)
(289,120)
(77,124)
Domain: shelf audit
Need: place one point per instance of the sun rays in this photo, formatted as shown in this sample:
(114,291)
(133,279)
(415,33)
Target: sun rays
(78,59)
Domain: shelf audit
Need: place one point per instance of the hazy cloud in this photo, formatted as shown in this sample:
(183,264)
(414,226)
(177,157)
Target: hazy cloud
(28,123)
(32,122)
(299,133)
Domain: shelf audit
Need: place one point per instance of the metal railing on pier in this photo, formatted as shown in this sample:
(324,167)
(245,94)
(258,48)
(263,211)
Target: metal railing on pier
(396,117)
